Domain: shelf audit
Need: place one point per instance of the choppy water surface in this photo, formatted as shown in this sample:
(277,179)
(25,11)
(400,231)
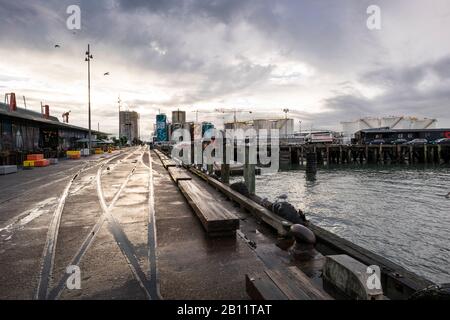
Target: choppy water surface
(398,212)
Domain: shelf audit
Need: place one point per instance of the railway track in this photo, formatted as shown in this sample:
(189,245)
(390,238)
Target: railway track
(48,256)
(119,235)
(152,240)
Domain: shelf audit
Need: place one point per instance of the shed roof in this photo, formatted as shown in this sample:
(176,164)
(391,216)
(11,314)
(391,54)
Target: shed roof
(37,117)
(388,130)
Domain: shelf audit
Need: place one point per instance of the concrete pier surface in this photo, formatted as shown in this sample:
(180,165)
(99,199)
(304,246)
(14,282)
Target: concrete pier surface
(99,214)
(121,226)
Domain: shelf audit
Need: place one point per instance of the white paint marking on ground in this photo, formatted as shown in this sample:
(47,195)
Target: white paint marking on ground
(29,215)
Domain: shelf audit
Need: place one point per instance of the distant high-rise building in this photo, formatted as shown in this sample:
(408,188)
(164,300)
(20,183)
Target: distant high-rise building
(129,125)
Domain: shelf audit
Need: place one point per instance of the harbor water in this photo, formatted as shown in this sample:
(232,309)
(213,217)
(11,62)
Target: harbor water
(400,213)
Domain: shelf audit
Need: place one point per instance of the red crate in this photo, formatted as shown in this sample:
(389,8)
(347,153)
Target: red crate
(32,157)
(41,163)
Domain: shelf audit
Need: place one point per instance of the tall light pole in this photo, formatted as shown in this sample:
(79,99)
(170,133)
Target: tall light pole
(88,60)
(120,129)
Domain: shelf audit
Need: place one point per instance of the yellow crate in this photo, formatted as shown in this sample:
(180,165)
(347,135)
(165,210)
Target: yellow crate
(98,151)
(28,163)
(73,153)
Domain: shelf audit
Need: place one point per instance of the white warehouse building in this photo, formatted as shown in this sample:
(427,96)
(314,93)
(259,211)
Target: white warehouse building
(351,127)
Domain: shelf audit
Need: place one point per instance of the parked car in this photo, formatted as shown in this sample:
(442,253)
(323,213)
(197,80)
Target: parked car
(399,141)
(442,141)
(418,141)
(377,142)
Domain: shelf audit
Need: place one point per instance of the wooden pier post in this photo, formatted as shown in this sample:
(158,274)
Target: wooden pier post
(328,155)
(294,156)
(311,165)
(375,154)
(249,171)
(367,155)
(381,154)
(290,156)
(432,154)
(301,155)
(225,168)
(425,154)
(439,153)
(411,158)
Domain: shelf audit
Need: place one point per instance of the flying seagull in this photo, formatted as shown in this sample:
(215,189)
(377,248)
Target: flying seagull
(106,74)
(57,46)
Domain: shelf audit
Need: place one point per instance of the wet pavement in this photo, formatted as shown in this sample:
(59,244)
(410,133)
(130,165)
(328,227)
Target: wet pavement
(29,204)
(128,228)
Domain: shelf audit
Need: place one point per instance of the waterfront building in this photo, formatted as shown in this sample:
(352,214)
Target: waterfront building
(24,131)
(350,128)
(389,135)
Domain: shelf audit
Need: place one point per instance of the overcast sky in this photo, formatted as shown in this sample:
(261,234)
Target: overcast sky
(316,57)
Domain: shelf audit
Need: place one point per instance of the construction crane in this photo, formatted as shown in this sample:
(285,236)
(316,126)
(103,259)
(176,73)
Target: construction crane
(201,111)
(65,116)
(234,111)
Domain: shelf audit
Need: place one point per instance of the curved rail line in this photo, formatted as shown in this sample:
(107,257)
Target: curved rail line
(124,244)
(56,292)
(152,240)
(52,235)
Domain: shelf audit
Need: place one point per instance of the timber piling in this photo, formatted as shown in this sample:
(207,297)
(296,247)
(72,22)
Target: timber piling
(365,154)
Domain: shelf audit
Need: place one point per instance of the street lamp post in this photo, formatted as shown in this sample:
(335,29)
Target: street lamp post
(120,127)
(88,60)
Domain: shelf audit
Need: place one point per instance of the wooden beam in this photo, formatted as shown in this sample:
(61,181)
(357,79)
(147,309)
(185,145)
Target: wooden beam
(279,224)
(283,284)
(168,163)
(178,174)
(215,218)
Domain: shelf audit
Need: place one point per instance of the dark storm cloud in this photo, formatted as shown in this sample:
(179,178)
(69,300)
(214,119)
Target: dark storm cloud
(213,50)
(442,68)
(225,80)
(324,31)
(314,31)
(221,10)
(405,93)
